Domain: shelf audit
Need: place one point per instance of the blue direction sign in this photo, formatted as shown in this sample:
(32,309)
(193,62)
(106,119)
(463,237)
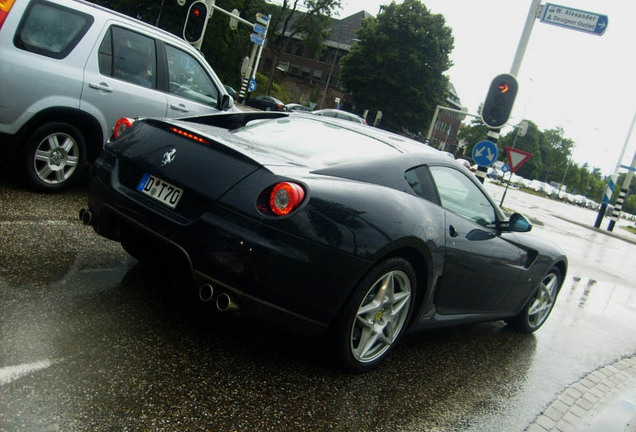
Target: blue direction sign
(575,19)
(485,153)
(256,38)
(505,168)
(262,18)
(260,29)
(252,85)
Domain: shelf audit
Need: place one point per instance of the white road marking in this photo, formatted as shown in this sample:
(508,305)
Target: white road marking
(12,373)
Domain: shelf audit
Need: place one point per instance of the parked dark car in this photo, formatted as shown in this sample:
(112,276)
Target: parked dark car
(340,114)
(297,107)
(326,225)
(265,103)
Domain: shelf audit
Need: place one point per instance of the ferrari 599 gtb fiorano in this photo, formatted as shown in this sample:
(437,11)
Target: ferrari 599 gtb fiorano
(330,226)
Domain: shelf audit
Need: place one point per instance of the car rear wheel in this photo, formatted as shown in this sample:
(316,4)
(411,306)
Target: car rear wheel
(538,308)
(55,154)
(376,315)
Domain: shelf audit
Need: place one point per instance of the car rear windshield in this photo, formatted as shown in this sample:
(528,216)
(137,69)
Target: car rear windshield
(313,141)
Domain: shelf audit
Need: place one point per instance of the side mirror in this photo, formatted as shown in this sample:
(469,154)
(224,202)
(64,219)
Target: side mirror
(519,223)
(226,102)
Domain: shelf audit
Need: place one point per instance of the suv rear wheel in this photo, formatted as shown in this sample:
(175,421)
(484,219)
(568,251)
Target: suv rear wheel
(55,155)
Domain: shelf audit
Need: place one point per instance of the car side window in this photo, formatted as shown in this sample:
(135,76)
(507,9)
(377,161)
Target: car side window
(188,78)
(128,56)
(460,195)
(51,30)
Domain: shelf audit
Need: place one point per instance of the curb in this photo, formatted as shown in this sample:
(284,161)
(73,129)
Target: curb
(591,403)
(600,231)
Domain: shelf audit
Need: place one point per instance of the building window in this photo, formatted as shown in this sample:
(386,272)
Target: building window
(317,74)
(299,50)
(305,72)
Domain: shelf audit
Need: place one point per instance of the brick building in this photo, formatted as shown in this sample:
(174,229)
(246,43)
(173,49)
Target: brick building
(313,79)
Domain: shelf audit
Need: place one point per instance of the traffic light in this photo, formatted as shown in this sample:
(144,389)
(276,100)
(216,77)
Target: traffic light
(195,22)
(499,101)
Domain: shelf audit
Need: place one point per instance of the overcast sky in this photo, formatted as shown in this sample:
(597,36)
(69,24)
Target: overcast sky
(584,83)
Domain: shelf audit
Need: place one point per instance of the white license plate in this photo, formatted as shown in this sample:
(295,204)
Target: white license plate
(160,190)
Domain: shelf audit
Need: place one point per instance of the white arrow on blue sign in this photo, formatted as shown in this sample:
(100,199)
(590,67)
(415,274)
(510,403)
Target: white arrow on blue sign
(260,29)
(256,38)
(576,19)
(252,85)
(485,153)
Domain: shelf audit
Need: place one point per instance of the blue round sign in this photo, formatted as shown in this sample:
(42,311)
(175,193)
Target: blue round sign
(505,168)
(252,85)
(485,153)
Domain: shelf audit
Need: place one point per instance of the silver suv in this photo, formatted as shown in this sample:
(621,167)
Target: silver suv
(70,69)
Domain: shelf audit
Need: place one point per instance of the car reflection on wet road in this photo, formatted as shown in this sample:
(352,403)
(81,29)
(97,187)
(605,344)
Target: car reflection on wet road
(91,340)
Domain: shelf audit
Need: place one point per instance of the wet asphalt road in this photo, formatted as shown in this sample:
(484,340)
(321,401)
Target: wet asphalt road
(92,341)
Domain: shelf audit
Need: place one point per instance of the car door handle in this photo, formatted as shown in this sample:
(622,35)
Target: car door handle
(180,107)
(452,231)
(101,86)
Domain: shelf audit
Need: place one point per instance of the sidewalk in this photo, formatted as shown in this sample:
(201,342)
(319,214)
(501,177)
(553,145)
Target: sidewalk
(602,401)
(618,232)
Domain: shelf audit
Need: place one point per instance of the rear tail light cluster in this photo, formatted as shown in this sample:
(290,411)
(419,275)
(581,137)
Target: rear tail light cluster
(5,7)
(122,125)
(281,199)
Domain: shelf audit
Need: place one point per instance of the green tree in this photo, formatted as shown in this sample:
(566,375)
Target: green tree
(308,20)
(398,65)
(472,133)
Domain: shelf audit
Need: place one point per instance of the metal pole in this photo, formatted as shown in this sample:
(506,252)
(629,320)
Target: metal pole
(609,188)
(246,77)
(623,194)
(430,128)
(260,48)
(533,14)
(514,143)
(333,63)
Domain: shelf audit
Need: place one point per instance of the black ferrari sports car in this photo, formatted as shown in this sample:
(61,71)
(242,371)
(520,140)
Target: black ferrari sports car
(322,225)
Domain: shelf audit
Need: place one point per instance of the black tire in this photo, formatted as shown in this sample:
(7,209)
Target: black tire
(376,315)
(538,308)
(55,155)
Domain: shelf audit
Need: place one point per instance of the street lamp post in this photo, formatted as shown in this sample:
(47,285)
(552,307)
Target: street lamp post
(333,63)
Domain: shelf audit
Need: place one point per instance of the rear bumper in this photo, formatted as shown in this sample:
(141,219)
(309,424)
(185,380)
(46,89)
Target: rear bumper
(271,273)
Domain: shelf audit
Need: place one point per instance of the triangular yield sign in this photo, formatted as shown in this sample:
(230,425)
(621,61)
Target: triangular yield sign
(516,158)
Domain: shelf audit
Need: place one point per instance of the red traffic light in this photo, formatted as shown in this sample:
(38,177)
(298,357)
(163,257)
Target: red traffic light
(499,101)
(195,22)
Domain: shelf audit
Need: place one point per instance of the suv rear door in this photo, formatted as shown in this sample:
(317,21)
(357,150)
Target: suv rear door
(193,89)
(121,77)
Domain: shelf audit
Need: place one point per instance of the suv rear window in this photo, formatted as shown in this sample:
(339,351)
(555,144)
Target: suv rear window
(51,30)
(128,56)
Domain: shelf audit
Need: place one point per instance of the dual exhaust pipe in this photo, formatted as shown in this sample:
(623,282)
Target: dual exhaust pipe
(86,216)
(224,302)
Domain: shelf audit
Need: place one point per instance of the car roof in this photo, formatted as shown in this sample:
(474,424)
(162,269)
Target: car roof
(280,134)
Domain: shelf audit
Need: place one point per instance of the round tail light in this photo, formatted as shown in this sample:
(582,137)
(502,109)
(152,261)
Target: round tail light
(121,125)
(285,197)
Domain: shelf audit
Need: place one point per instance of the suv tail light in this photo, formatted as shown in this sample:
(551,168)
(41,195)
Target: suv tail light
(281,199)
(5,7)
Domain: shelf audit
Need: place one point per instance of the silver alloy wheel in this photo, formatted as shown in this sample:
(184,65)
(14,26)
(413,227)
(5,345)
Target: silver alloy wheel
(544,300)
(56,158)
(380,316)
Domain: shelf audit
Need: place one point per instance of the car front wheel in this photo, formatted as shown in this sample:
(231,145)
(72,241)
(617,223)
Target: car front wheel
(376,316)
(538,308)
(55,154)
